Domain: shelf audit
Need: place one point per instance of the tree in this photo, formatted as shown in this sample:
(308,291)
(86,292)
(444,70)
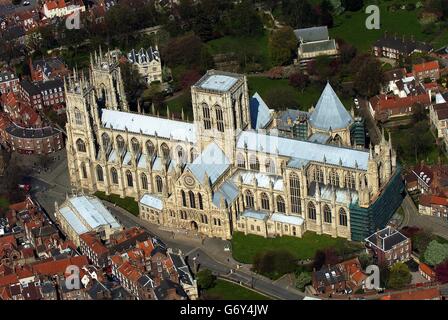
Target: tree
(365,260)
(325,9)
(368,77)
(274,264)
(399,276)
(352,5)
(303,279)
(243,20)
(319,259)
(282,45)
(442,272)
(418,112)
(299,80)
(133,83)
(299,14)
(187,50)
(205,279)
(436,253)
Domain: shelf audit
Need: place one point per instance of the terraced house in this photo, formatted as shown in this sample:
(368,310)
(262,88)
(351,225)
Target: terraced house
(229,169)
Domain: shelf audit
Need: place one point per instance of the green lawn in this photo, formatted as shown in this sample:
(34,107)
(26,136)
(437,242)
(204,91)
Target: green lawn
(4,203)
(304,100)
(350,26)
(225,290)
(245,248)
(127,203)
(253,46)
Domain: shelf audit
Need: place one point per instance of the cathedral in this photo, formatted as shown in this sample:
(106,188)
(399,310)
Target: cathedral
(230,169)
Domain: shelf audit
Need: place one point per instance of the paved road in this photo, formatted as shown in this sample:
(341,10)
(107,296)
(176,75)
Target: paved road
(436,225)
(209,254)
(52,186)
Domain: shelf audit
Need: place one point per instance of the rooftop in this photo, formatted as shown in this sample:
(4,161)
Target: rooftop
(218,81)
(148,125)
(330,113)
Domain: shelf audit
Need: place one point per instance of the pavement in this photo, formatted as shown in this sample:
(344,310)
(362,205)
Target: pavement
(412,217)
(51,184)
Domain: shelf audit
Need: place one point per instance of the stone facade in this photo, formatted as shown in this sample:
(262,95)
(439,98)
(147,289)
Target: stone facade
(216,174)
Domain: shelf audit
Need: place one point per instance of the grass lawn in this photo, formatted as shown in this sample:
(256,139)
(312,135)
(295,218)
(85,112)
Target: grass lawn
(258,46)
(127,203)
(226,290)
(305,99)
(4,203)
(432,156)
(350,26)
(245,248)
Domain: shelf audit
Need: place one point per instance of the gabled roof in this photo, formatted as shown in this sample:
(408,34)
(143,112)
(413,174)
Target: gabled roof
(212,162)
(148,125)
(260,113)
(427,66)
(312,34)
(330,112)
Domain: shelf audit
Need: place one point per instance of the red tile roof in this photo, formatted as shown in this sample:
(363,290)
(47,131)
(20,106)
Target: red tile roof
(59,266)
(384,103)
(9,279)
(94,243)
(427,66)
(129,272)
(428,200)
(421,294)
(427,270)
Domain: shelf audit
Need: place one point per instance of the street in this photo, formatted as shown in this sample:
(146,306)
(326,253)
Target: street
(52,185)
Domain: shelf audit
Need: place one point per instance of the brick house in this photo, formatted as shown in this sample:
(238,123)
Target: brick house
(9,82)
(91,246)
(389,246)
(427,272)
(395,47)
(432,205)
(428,70)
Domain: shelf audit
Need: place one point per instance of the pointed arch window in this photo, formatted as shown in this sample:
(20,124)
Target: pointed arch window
(294,185)
(83,170)
(311,211)
(249,199)
(334,178)
(135,146)
(106,141)
(264,201)
(114,175)
(342,217)
(241,162)
(270,166)
(254,163)
(192,199)
(206,116)
(78,117)
(327,214)
(281,204)
(180,153)
(150,148)
(165,150)
(201,204)
(99,173)
(350,181)
(159,184)
(121,145)
(219,119)
(184,198)
(319,175)
(144,180)
(80,145)
(129,179)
